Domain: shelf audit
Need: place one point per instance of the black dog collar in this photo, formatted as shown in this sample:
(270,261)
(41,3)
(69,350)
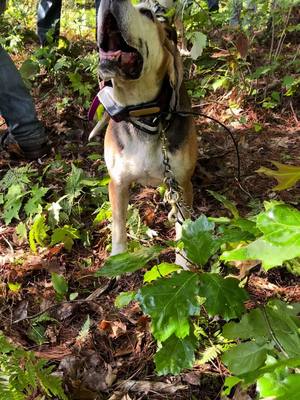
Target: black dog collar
(145,116)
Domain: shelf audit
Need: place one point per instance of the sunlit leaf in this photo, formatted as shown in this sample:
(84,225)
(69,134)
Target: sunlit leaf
(286,175)
(128,262)
(175,355)
(170,302)
(199,240)
(124,298)
(159,271)
(223,296)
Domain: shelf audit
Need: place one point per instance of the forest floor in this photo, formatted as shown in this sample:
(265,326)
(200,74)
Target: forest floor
(114,359)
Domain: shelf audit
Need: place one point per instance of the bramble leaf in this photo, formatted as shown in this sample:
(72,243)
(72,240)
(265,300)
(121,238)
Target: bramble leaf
(13,203)
(269,254)
(159,271)
(33,205)
(128,262)
(223,296)
(286,175)
(251,325)
(170,302)
(175,355)
(245,357)
(199,241)
(280,225)
(279,384)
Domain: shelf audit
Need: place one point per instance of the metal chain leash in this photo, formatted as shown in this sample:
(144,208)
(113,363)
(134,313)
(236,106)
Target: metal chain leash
(174,193)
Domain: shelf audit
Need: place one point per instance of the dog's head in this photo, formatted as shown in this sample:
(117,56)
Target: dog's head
(134,44)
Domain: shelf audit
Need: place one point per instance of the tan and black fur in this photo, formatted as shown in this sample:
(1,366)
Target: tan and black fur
(132,155)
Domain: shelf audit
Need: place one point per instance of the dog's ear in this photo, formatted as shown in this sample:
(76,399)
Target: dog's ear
(174,67)
(171,33)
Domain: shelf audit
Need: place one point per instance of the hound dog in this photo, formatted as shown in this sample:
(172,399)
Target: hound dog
(142,71)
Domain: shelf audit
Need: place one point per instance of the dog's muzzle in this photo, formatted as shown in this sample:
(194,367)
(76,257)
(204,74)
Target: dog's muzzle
(116,55)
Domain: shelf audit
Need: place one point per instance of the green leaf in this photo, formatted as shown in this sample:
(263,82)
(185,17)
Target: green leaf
(175,355)
(246,225)
(269,254)
(286,175)
(223,296)
(285,327)
(199,43)
(170,302)
(65,235)
(124,298)
(37,334)
(245,357)
(230,382)
(280,385)
(252,376)
(21,230)
(103,213)
(14,286)
(128,262)
(252,325)
(280,225)
(232,234)
(13,203)
(38,233)
(159,271)
(288,81)
(74,184)
(34,204)
(226,203)
(59,283)
(29,69)
(222,82)
(199,241)
(73,296)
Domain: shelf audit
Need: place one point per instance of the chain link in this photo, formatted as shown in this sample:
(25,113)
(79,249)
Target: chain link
(174,192)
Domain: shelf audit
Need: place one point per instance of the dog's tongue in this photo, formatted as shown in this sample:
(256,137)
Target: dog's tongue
(125,59)
(110,55)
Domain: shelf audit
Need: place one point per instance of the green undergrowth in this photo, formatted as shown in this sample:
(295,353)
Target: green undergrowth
(199,313)
(23,376)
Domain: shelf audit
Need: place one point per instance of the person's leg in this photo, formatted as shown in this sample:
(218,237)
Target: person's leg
(17,109)
(213,5)
(235,13)
(48,17)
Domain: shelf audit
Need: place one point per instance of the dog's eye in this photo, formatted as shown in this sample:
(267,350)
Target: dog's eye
(147,13)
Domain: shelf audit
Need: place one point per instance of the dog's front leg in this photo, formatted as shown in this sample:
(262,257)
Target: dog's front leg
(187,189)
(118,197)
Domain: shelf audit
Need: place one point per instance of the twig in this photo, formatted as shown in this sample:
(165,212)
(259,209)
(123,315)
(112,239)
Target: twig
(293,112)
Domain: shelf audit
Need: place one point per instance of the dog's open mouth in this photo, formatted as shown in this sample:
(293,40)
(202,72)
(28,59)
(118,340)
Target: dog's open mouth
(115,50)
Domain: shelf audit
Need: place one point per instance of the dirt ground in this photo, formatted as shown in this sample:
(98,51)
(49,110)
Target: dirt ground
(115,358)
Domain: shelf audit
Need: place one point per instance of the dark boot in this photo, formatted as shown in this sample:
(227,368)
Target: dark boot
(17,108)
(48,19)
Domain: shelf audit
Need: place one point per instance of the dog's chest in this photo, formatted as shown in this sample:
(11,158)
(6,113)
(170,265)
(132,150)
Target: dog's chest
(140,161)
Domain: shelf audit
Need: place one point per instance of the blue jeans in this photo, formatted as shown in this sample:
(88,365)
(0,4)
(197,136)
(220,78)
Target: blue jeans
(48,17)
(17,108)
(213,5)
